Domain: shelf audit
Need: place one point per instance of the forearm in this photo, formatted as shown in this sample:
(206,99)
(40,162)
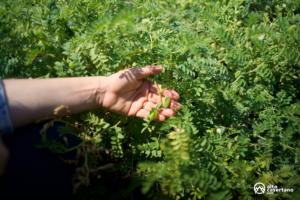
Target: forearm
(32,99)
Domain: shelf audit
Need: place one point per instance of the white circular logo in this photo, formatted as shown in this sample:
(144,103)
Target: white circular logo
(259,188)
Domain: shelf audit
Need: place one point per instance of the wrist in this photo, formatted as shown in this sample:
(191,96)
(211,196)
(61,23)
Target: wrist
(98,91)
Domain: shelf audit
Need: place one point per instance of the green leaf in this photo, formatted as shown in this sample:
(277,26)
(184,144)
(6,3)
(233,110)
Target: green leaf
(147,153)
(158,153)
(120,136)
(97,140)
(203,142)
(31,56)
(154,153)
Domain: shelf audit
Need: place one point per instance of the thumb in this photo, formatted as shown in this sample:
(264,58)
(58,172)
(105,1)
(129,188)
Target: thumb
(146,71)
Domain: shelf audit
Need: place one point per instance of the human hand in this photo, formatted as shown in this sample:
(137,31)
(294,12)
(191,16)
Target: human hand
(126,91)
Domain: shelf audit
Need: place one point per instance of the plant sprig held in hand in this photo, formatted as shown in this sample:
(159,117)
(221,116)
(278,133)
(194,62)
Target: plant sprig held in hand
(154,111)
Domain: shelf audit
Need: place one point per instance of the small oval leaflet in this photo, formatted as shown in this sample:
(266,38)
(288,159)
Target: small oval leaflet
(291,28)
(166,101)
(153,116)
(237,74)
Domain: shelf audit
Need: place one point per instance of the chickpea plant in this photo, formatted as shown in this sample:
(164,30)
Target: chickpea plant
(154,111)
(235,64)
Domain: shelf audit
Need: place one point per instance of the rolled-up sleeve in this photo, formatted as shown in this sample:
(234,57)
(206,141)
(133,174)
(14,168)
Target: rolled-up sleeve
(5,122)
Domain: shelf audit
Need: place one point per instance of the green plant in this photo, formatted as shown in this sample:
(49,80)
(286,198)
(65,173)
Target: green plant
(154,111)
(235,64)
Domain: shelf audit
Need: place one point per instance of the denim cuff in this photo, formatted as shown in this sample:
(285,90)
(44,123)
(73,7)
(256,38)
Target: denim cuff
(5,122)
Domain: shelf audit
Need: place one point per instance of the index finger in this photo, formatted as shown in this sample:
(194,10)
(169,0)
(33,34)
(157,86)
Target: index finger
(168,92)
(143,72)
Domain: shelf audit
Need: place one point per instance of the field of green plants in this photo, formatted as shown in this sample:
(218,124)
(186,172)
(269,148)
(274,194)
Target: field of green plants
(235,64)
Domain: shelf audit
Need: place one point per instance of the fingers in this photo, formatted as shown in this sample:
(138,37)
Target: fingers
(154,98)
(171,93)
(146,71)
(163,111)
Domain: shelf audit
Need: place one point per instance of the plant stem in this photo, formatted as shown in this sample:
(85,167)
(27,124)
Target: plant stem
(286,146)
(159,92)
(75,147)
(87,168)
(248,72)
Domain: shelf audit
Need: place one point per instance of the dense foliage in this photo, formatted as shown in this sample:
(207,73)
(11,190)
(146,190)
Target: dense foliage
(235,64)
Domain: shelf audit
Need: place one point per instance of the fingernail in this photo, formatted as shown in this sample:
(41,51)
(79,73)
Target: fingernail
(176,104)
(176,97)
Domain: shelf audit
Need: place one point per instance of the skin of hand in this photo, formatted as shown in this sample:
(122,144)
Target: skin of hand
(127,90)
(4,156)
(124,93)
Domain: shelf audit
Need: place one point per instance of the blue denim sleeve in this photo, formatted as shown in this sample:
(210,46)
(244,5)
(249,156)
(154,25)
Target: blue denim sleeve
(5,123)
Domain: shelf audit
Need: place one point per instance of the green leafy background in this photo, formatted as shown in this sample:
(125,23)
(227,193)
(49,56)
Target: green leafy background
(235,64)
